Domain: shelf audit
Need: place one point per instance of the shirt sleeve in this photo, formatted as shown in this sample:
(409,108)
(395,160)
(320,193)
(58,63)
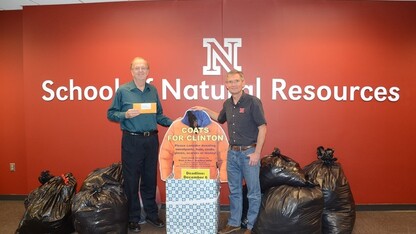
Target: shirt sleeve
(114,112)
(258,112)
(222,117)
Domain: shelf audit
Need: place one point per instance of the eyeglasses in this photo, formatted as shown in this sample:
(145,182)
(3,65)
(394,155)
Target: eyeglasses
(140,68)
(233,81)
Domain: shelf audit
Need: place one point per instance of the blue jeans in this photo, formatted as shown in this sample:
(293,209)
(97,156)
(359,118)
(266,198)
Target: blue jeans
(238,168)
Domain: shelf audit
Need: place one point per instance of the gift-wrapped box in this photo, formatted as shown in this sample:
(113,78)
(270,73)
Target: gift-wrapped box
(192,206)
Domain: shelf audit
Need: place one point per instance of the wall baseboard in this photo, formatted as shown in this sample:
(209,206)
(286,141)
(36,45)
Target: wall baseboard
(385,207)
(13,197)
(367,207)
(359,207)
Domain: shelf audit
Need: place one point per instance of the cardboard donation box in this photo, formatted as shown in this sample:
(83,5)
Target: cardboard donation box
(192,206)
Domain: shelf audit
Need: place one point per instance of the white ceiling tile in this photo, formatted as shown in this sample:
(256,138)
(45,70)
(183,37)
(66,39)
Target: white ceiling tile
(95,1)
(56,2)
(17,4)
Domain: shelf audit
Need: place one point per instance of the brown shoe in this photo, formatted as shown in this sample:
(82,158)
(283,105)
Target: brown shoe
(248,231)
(229,229)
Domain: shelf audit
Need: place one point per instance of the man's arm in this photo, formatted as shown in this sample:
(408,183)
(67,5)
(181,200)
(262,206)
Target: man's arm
(261,138)
(255,157)
(211,113)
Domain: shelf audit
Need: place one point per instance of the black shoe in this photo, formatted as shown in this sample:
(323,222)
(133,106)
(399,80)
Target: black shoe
(134,227)
(155,222)
(244,222)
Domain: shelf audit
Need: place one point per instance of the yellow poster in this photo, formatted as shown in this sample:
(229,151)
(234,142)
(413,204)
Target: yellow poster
(197,174)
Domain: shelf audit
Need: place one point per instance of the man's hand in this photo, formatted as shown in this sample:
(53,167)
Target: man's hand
(211,113)
(197,108)
(254,158)
(131,113)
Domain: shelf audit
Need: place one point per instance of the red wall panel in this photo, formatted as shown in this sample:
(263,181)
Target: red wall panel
(302,43)
(344,44)
(12,112)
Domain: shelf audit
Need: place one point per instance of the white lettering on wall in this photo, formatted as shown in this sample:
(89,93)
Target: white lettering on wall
(202,91)
(280,91)
(214,58)
(74,92)
(205,91)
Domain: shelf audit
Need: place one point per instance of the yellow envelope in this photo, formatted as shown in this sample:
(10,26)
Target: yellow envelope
(145,108)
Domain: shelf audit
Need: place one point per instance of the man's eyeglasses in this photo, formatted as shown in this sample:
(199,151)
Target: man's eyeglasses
(233,81)
(140,68)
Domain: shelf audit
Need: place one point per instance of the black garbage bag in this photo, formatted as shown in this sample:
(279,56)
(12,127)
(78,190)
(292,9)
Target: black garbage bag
(101,206)
(48,208)
(277,169)
(96,177)
(339,206)
(45,176)
(286,209)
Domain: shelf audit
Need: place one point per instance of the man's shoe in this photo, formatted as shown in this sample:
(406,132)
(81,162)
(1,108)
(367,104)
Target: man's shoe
(229,229)
(248,231)
(244,223)
(142,221)
(134,226)
(155,222)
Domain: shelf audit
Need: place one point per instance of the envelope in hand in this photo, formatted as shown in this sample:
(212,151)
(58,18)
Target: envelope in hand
(145,108)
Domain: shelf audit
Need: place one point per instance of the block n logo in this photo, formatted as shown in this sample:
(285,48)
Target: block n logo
(216,55)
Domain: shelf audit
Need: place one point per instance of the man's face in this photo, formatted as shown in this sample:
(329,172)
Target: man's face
(139,69)
(234,83)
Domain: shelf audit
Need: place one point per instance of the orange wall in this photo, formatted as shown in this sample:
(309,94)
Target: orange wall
(330,43)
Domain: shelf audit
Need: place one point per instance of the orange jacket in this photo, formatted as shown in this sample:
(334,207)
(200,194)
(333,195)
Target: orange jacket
(194,142)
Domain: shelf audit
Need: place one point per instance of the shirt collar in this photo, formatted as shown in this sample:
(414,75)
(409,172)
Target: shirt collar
(131,86)
(243,96)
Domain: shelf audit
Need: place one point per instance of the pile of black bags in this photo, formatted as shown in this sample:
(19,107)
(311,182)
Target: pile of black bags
(290,204)
(339,206)
(48,208)
(101,205)
(316,199)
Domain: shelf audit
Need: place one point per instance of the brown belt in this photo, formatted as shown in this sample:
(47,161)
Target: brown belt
(143,134)
(241,147)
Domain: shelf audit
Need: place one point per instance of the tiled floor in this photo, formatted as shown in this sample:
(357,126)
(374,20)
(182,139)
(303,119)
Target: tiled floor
(367,222)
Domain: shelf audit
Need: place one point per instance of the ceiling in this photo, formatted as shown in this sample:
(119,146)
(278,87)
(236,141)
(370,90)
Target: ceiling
(18,4)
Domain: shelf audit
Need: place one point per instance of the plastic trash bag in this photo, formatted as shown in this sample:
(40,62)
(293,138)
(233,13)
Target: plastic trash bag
(48,208)
(101,205)
(277,169)
(45,176)
(95,178)
(339,206)
(286,209)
